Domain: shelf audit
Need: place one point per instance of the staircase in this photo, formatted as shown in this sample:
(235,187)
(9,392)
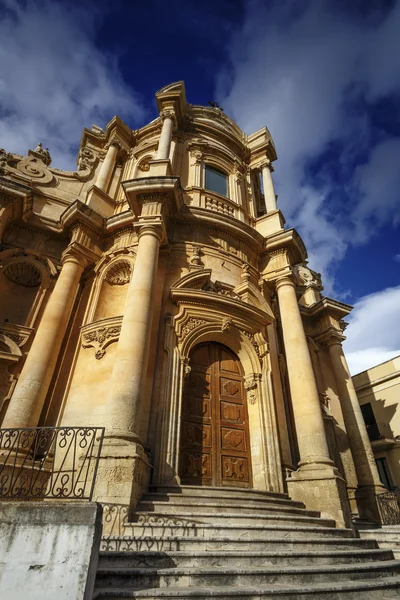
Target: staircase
(387,537)
(197,542)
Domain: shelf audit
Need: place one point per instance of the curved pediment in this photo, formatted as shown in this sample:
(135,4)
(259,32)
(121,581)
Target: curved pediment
(218,298)
(198,285)
(195,280)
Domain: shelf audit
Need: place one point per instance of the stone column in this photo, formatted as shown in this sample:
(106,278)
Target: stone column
(310,429)
(317,482)
(369,483)
(164,145)
(268,185)
(123,458)
(107,167)
(130,365)
(30,392)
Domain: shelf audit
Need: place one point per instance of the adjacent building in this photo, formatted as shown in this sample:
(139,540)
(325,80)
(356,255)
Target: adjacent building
(378,391)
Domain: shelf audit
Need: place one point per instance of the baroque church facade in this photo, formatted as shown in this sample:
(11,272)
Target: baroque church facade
(156,292)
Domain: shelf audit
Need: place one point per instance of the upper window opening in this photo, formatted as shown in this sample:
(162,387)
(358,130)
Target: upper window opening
(216,181)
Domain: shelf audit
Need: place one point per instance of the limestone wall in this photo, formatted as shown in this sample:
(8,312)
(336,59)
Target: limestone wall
(48,550)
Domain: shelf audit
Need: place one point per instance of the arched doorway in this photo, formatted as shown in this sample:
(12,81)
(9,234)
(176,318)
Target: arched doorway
(215,448)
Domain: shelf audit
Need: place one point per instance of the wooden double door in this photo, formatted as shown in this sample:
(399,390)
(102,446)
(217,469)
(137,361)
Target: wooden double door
(214,447)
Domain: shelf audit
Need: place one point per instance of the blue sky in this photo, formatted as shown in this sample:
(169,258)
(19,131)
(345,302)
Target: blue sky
(323,75)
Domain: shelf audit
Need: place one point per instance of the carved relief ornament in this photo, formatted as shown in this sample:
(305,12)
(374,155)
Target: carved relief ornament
(35,169)
(190,325)
(251,387)
(101,334)
(119,273)
(23,273)
(87,160)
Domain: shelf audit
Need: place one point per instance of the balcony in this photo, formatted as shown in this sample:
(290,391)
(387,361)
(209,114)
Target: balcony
(380,435)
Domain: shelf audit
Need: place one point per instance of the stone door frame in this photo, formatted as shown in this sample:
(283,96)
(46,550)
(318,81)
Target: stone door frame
(211,317)
(225,435)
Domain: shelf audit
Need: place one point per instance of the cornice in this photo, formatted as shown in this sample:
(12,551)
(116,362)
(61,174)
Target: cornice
(122,220)
(13,189)
(334,308)
(144,189)
(214,128)
(80,213)
(218,221)
(370,385)
(289,239)
(221,303)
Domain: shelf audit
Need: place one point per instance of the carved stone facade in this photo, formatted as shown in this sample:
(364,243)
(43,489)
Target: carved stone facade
(119,279)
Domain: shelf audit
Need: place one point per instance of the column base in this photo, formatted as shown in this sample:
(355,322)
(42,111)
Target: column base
(122,477)
(324,490)
(367,503)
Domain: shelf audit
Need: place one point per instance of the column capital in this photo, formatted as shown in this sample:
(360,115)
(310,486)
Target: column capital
(157,231)
(74,254)
(114,143)
(286,279)
(265,163)
(168,113)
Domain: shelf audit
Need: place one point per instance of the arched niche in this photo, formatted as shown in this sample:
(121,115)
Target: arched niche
(24,281)
(111,287)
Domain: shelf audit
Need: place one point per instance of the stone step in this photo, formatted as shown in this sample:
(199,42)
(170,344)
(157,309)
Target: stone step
(221,495)
(242,545)
(229,518)
(229,492)
(173,505)
(168,526)
(392,535)
(387,538)
(142,578)
(237,559)
(386,588)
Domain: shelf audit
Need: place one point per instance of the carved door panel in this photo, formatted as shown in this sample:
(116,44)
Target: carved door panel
(214,431)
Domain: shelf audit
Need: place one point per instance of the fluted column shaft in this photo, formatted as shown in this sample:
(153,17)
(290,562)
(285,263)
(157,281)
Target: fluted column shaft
(30,392)
(268,185)
(107,167)
(130,366)
(360,446)
(309,423)
(164,145)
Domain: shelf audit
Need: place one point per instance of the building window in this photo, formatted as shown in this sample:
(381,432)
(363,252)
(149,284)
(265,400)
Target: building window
(216,181)
(370,422)
(384,474)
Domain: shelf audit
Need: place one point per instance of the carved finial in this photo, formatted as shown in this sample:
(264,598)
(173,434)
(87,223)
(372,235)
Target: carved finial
(215,105)
(43,153)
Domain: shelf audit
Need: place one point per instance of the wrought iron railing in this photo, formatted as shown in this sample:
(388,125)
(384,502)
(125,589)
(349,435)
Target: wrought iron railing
(115,517)
(49,462)
(389,504)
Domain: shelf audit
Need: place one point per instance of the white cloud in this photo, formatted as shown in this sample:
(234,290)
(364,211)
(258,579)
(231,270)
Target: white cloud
(54,80)
(379,183)
(373,334)
(293,66)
